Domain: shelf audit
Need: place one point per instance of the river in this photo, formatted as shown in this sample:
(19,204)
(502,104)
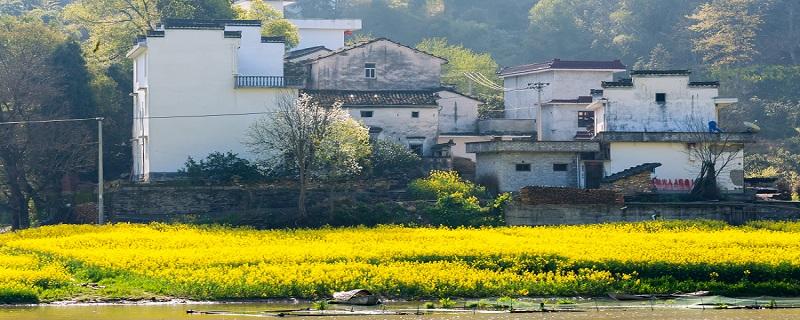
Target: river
(249,310)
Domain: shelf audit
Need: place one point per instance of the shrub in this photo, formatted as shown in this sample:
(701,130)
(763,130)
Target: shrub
(457,201)
(391,158)
(221,167)
(443,183)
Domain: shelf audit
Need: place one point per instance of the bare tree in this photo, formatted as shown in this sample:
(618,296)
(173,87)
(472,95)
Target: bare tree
(715,150)
(293,135)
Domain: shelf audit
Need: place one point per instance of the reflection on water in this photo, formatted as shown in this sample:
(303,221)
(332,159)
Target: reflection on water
(158,312)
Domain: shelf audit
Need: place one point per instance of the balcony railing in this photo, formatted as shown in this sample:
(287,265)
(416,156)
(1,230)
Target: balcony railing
(267,82)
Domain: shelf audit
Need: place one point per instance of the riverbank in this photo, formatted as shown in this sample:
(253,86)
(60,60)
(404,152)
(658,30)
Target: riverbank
(159,261)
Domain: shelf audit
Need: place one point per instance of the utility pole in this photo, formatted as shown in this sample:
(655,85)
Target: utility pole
(100,186)
(539,87)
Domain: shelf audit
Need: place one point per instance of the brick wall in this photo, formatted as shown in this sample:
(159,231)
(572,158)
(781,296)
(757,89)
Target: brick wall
(544,195)
(501,167)
(639,183)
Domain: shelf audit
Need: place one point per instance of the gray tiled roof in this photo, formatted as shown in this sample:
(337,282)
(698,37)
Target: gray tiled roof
(351,98)
(632,171)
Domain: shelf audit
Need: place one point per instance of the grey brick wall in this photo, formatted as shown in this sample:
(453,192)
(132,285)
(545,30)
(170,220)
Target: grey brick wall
(501,167)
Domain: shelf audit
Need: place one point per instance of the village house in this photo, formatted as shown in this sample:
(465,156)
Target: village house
(615,130)
(395,90)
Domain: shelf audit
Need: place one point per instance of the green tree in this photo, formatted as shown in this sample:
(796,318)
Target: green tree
(726,31)
(463,61)
(34,157)
(273,22)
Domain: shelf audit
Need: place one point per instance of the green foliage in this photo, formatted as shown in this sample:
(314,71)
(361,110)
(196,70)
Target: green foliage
(441,184)
(221,168)
(460,61)
(273,23)
(457,201)
(727,31)
(446,303)
(392,158)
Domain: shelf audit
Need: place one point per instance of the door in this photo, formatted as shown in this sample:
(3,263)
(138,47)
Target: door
(594,174)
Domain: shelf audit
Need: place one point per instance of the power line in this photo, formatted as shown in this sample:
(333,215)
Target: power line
(50,121)
(206,115)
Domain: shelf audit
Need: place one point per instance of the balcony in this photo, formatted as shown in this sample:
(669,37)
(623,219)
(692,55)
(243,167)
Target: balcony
(267,82)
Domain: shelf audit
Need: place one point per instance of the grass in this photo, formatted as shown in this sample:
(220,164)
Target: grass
(130,261)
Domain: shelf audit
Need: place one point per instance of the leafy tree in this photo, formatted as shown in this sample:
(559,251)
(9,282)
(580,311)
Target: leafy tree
(34,157)
(727,31)
(389,157)
(457,201)
(273,22)
(461,61)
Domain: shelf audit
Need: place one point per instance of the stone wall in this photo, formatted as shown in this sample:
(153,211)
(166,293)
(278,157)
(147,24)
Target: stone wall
(544,195)
(501,167)
(731,212)
(639,183)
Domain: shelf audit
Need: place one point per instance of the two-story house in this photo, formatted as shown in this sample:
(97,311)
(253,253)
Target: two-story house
(650,122)
(394,89)
(197,85)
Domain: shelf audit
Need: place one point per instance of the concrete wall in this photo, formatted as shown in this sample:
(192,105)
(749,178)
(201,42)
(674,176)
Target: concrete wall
(560,121)
(635,108)
(255,58)
(458,113)
(191,73)
(734,213)
(397,68)
(564,84)
(501,168)
(507,126)
(398,125)
(676,162)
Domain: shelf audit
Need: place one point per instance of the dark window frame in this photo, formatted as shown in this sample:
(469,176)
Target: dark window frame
(367,113)
(585,119)
(416,148)
(415,114)
(522,167)
(370,70)
(661,98)
(560,167)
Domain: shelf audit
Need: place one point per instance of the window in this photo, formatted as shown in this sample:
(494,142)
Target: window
(416,148)
(585,119)
(369,70)
(523,167)
(415,114)
(366,114)
(560,167)
(661,98)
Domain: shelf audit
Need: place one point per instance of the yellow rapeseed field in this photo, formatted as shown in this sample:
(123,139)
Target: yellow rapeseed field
(227,263)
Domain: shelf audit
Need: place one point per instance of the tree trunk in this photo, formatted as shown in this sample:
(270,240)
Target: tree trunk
(301,198)
(20,217)
(705,188)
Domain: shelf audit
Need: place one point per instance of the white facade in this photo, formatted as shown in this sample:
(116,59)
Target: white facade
(560,121)
(679,166)
(565,79)
(398,124)
(186,100)
(314,32)
(663,102)
(327,33)
(634,108)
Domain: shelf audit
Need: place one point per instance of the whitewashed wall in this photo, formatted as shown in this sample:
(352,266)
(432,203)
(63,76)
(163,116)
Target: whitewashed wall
(256,58)
(635,109)
(398,125)
(458,113)
(564,84)
(675,158)
(560,121)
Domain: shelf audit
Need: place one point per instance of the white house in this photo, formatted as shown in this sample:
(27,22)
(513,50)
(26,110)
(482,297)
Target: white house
(653,121)
(659,116)
(564,80)
(329,33)
(197,87)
